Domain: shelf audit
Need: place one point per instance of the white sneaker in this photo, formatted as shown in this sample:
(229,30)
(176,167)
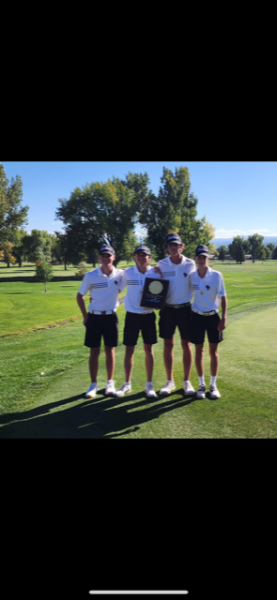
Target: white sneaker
(214,393)
(188,389)
(110,389)
(201,392)
(168,387)
(125,389)
(149,389)
(92,390)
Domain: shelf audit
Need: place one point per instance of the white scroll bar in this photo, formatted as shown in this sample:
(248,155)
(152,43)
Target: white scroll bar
(139,592)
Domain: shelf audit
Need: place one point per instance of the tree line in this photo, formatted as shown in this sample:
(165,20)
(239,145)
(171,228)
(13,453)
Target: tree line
(106,212)
(109,212)
(253,246)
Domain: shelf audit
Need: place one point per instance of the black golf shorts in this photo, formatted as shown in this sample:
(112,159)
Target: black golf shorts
(101,325)
(199,325)
(134,323)
(170,318)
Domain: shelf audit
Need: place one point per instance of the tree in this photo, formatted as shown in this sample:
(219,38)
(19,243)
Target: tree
(97,213)
(256,243)
(8,257)
(270,247)
(222,251)
(19,251)
(274,253)
(44,273)
(173,209)
(267,252)
(38,245)
(12,215)
(236,249)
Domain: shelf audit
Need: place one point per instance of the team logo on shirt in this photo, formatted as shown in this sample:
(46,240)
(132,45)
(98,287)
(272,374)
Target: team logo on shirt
(116,282)
(185,274)
(207,287)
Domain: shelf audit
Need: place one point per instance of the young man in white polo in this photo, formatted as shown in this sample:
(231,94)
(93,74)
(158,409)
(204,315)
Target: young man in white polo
(101,320)
(176,313)
(208,288)
(138,318)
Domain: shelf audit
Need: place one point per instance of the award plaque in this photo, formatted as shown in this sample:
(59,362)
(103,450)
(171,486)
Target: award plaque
(154,293)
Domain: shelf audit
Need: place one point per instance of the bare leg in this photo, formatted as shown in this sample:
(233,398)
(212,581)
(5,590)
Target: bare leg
(187,358)
(93,363)
(199,359)
(110,361)
(168,358)
(129,362)
(149,361)
(214,358)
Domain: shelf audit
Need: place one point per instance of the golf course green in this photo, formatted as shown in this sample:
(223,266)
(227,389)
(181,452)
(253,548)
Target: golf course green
(44,366)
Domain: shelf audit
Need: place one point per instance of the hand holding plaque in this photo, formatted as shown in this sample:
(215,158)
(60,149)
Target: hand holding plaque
(154,293)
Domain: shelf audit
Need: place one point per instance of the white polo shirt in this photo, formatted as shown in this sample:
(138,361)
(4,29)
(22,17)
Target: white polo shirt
(103,288)
(179,291)
(206,290)
(135,280)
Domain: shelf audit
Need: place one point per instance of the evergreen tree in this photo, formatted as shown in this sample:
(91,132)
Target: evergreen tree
(222,251)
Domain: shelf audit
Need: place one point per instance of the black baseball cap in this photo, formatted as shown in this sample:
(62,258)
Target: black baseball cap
(107,250)
(143,248)
(173,238)
(202,250)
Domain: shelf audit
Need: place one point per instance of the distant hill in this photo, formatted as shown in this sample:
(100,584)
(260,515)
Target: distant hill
(227,241)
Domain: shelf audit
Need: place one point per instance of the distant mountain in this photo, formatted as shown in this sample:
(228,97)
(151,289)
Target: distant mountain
(227,241)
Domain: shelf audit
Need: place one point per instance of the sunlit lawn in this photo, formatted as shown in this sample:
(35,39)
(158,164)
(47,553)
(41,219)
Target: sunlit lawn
(44,366)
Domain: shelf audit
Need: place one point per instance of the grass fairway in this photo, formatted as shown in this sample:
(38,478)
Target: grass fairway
(44,367)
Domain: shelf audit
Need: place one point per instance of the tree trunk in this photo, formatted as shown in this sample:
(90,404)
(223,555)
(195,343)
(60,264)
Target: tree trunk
(45,284)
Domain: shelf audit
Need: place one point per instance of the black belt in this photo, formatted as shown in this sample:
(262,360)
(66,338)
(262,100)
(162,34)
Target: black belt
(177,305)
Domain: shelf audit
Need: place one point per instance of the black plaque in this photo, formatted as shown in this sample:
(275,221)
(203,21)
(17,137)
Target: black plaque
(154,293)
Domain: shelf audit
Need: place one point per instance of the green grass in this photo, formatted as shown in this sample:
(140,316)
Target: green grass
(44,367)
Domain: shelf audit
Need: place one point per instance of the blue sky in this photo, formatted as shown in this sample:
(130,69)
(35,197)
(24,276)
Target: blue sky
(238,198)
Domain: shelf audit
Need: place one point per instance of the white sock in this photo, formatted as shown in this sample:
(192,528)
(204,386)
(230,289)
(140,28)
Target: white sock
(186,380)
(201,380)
(110,381)
(213,380)
(127,382)
(148,382)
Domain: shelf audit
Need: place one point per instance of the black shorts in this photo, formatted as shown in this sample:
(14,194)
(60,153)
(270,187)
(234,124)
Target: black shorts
(170,318)
(134,323)
(199,324)
(101,325)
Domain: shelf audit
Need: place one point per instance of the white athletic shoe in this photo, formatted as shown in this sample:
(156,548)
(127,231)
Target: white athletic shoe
(92,390)
(168,387)
(188,389)
(149,390)
(201,392)
(125,389)
(110,389)
(214,393)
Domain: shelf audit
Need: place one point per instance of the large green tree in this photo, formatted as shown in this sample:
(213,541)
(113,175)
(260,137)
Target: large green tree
(222,251)
(38,245)
(12,214)
(236,249)
(255,245)
(173,209)
(97,213)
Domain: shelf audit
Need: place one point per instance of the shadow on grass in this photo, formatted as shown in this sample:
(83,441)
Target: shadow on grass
(100,417)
